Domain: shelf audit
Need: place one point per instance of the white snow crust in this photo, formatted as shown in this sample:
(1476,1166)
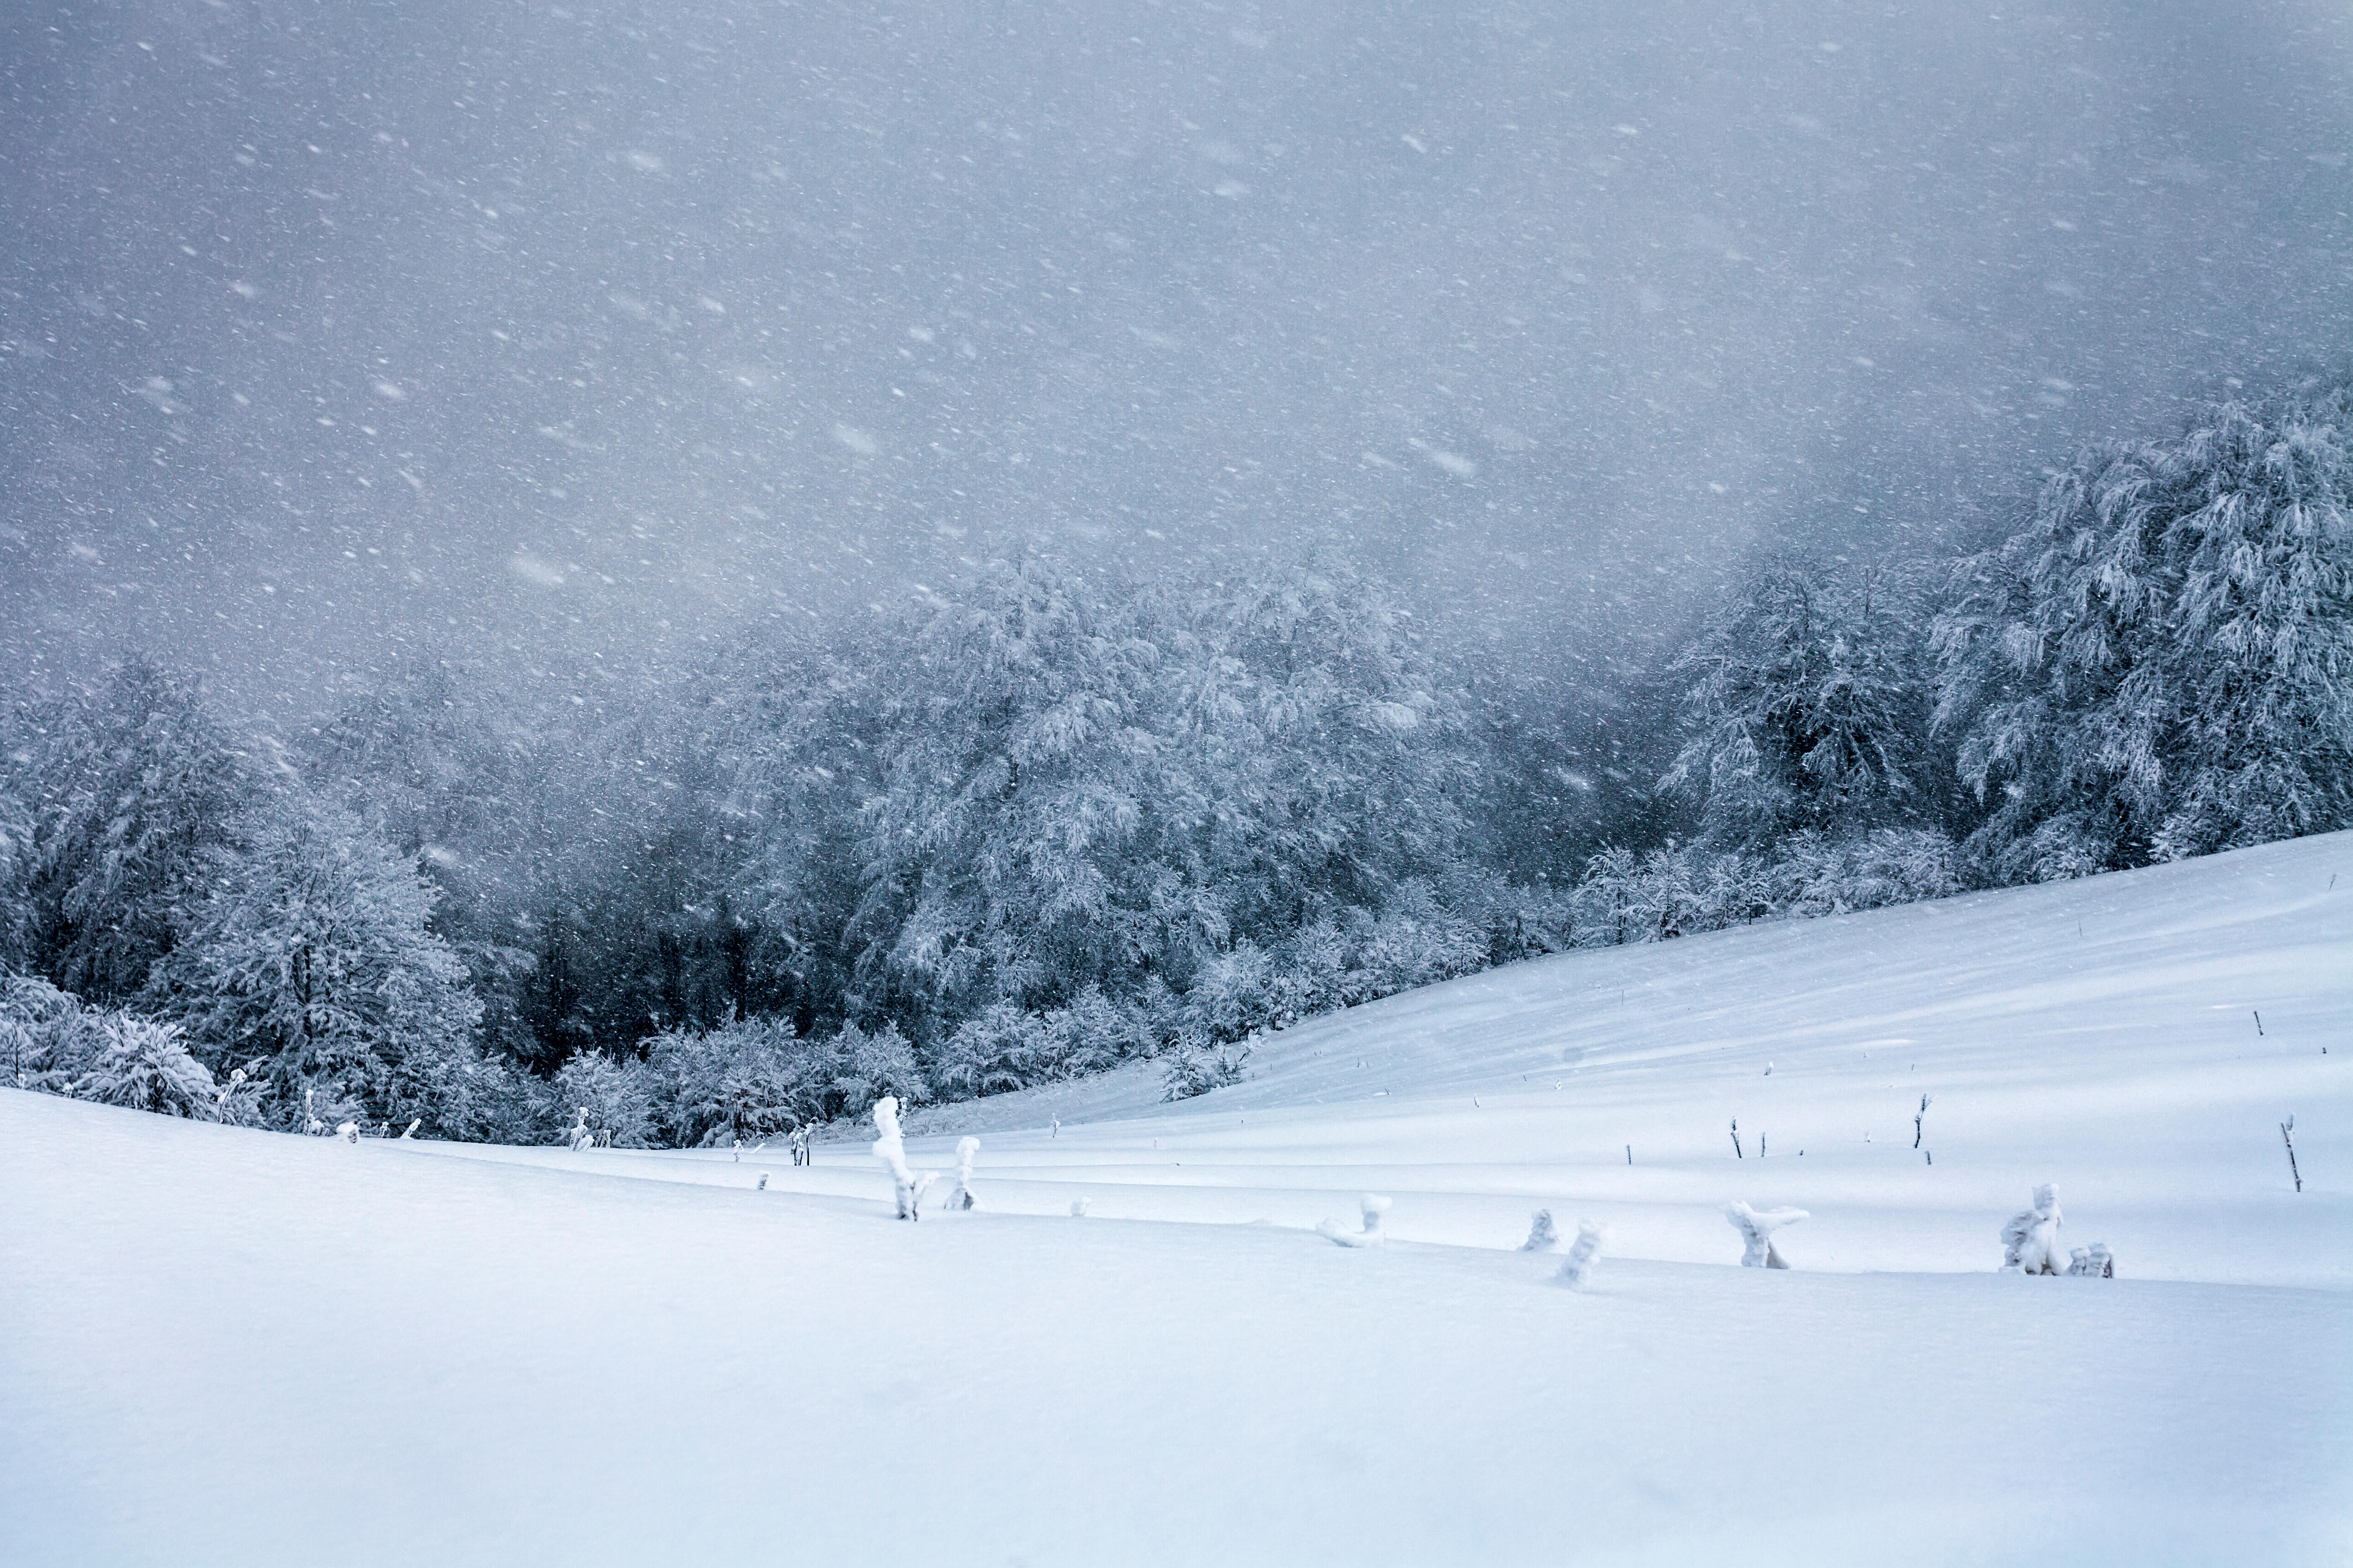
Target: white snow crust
(221,1346)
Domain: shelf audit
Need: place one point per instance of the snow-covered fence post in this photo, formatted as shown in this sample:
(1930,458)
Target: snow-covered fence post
(2030,1242)
(1541,1237)
(1757,1229)
(1591,1237)
(962,1198)
(311,1122)
(2287,1128)
(909,1186)
(1373,1207)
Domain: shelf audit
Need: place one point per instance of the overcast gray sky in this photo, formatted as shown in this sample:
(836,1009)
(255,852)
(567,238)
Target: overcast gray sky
(337,331)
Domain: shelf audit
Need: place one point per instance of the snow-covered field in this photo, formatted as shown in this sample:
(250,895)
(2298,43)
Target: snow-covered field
(219,1346)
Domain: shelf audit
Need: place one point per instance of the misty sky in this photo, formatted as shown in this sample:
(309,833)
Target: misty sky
(336,331)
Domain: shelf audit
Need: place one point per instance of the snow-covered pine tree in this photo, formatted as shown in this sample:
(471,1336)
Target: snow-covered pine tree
(313,953)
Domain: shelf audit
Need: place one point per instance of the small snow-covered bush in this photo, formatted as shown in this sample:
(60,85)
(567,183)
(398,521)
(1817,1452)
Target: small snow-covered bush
(1757,1229)
(145,1065)
(1541,1237)
(618,1097)
(1373,1208)
(908,1186)
(50,1041)
(1195,1072)
(47,1036)
(962,1198)
(2030,1242)
(1592,1236)
(2092,1262)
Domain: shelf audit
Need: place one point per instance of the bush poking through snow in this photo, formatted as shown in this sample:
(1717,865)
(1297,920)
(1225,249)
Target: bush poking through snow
(1079,1207)
(1757,1229)
(2030,1242)
(2092,1262)
(962,1198)
(1592,1236)
(1541,1237)
(145,1065)
(908,1186)
(1373,1208)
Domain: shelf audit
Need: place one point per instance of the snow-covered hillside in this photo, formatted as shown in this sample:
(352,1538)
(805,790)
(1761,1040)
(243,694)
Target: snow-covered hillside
(2103,1034)
(227,1346)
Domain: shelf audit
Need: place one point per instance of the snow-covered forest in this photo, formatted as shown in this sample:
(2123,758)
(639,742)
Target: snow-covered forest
(1064,817)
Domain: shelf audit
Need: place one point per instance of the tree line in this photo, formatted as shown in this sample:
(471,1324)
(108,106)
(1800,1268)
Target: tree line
(1063,818)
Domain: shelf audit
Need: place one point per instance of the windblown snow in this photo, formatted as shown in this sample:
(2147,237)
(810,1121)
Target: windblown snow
(226,1346)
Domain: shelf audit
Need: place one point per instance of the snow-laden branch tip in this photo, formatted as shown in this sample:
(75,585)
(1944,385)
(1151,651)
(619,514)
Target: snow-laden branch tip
(1592,1236)
(1757,1229)
(1542,1235)
(1373,1208)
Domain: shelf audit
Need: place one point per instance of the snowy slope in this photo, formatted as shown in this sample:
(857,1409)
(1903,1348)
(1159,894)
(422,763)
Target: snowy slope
(222,1346)
(2101,1035)
(227,1347)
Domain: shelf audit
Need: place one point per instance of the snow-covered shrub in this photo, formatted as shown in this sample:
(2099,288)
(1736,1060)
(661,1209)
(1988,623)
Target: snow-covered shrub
(871,1066)
(750,1079)
(2092,1262)
(1542,1235)
(143,1064)
(962,1198)
(1372,1234)
(616,1096)
(907,1186)
(2030,1242)
(47,1036)
(1190,1072)
(1812,874)
(1592,1236)
(1756,1228)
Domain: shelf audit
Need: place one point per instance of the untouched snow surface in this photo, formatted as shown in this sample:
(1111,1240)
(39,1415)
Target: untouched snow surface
(222,1346)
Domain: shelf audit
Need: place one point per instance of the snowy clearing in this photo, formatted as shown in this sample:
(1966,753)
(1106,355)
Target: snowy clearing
(227,1346)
